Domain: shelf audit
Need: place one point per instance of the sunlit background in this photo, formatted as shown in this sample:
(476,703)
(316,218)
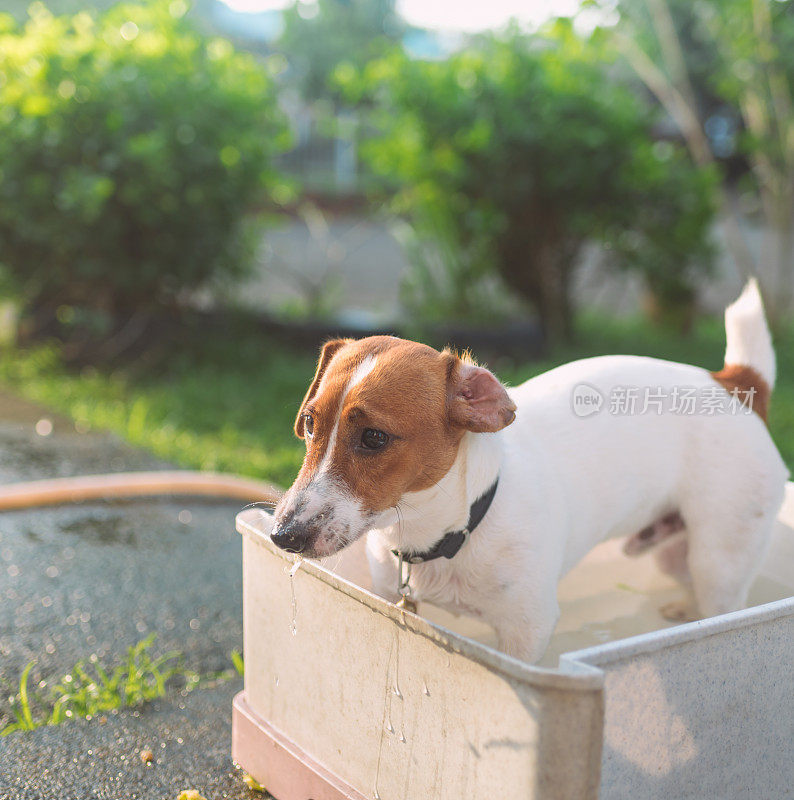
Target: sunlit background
(499,175)
(495,175)
(445,15)
(194,196)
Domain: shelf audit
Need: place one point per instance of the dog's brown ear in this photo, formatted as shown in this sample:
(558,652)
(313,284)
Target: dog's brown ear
(477,401)
(328,352)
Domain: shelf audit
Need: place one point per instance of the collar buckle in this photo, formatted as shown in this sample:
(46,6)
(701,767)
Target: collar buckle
(447,547)
(406,602)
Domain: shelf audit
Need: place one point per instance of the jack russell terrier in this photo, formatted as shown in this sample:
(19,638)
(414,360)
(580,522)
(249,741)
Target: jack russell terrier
(493,494)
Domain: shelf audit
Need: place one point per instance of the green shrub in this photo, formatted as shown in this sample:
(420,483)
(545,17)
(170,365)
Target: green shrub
(335,32)
(526,148)
(131,150)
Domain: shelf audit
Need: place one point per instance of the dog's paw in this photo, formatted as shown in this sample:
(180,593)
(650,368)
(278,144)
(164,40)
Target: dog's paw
(679,611)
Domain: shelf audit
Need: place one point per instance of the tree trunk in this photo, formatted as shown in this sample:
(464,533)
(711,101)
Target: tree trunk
(779,300)
(540,270)
(554,297)
(536,257)
(677,312)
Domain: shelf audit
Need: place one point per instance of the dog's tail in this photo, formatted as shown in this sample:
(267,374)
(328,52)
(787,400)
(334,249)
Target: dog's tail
(748,341)
(749,371)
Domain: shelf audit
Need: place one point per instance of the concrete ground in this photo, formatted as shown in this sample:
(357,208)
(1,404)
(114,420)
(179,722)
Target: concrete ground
(93,579)
(88,760)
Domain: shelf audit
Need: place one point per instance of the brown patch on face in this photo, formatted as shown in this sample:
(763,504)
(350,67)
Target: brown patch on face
(747,385)
(413,394)
(328,352)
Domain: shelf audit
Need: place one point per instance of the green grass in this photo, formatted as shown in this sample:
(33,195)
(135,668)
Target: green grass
(229,403)
(89,688)
(221,404)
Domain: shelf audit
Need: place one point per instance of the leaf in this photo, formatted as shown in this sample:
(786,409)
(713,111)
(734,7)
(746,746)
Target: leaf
(27,715)
(252,783)
(237,660)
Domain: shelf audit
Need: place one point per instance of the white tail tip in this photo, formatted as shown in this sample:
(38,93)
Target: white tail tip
(748,341)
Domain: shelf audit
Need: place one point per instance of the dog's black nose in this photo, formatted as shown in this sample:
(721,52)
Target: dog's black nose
(294,538)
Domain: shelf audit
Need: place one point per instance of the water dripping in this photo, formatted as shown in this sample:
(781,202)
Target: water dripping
(293,627)
(394,652)
(296,565)
(396,687)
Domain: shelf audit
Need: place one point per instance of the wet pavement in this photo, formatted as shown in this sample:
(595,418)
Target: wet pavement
(83,760)
(93,579)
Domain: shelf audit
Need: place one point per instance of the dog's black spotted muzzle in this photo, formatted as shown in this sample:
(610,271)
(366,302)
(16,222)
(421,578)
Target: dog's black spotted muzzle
(299,535)
(294,536)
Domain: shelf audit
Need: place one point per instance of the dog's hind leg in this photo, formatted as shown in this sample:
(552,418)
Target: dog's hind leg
(722,572)
(729,524)
(667,538)
(672,559)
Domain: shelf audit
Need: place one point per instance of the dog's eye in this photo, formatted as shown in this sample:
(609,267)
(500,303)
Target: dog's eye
(374,439)
(308,425)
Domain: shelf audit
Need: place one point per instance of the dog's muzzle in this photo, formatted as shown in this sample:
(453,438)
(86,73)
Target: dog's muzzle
(317,521)
(294,536)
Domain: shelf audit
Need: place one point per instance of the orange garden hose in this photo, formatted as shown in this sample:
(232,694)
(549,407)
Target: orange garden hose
(54,491)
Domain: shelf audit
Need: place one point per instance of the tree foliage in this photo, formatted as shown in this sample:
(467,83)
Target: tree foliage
(520,149)
(318,39)
(131,148)
(748,46)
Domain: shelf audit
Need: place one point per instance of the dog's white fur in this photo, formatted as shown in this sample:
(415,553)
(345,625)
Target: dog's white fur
(566,483)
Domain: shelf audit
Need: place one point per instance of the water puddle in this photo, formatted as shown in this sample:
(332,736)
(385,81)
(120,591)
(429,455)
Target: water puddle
(101,528)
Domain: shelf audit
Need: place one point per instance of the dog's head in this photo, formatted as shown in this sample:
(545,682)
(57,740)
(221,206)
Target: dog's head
(382,417)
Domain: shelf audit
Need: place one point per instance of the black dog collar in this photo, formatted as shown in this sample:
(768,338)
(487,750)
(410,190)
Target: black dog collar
(450,543)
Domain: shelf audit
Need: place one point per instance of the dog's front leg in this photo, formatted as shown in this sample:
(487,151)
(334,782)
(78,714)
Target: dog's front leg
(524,633)
(383,568)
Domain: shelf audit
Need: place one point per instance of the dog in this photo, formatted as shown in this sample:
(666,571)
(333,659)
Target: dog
(492,494)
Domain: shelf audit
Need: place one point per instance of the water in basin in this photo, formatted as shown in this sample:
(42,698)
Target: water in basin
(606,597)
